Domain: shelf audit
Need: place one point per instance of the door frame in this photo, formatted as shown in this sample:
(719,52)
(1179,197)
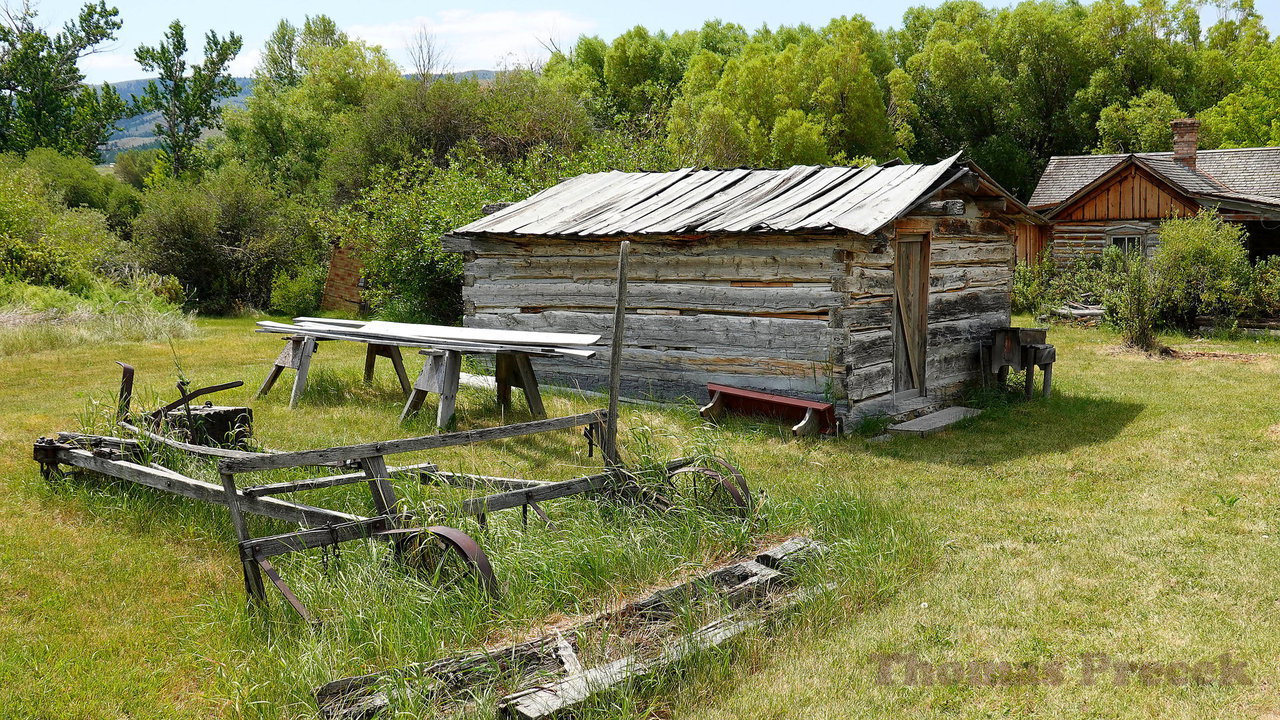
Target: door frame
(909,370)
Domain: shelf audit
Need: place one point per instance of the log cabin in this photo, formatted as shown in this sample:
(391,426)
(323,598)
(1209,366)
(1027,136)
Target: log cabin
(868,287)
(1096,201)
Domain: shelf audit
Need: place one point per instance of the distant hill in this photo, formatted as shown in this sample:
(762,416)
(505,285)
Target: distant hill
(138,133)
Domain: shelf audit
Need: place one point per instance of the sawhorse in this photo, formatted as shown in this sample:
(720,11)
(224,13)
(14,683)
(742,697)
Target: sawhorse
(296,356)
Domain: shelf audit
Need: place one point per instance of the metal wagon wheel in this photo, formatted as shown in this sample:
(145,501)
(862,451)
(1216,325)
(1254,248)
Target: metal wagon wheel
(720,489)
(447,555)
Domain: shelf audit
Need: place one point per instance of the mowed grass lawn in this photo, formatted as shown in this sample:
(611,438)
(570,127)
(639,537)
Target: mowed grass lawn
(1134,516)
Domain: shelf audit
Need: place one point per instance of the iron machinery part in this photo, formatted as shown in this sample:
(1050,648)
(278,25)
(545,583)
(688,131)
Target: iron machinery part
(438,550)
(736,473)
(711,489)
(156,415)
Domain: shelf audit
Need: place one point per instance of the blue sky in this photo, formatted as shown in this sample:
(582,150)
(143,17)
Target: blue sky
(495,34)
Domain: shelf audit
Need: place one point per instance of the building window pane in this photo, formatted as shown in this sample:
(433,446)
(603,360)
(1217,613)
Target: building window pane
(1128,243)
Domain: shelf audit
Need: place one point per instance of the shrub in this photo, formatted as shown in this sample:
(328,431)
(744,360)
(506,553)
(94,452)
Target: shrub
(299,292)
(1264,286)
(1130,306)
(1032,284)
(79,184)
(225,238)
(1201,267)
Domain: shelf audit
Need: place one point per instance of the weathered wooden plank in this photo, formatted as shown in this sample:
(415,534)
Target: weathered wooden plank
(946,306)
(870,380)
(720,298)
(866,314)
(392,447)
(172,482)
(812,266)
(292,486)
(710,333)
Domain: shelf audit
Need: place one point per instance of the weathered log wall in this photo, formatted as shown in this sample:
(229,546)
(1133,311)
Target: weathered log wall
(810,315)
(749,310)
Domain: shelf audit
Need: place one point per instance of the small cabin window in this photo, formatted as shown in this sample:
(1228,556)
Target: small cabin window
(1129,243)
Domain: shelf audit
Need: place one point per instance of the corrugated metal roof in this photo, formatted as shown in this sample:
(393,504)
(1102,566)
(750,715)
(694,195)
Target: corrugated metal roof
(804,197)
(1242,174)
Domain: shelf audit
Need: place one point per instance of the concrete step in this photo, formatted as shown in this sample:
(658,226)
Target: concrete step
(934,421)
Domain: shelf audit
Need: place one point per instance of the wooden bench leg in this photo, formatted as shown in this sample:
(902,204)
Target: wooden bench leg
(808,426)
(449,377)
(272,377)
(304,366)
(713,410)
(1029,389)
(529,383)
(505,375)
(428,382)
(397,362)
(1048,379)
(370,357)
(288,358)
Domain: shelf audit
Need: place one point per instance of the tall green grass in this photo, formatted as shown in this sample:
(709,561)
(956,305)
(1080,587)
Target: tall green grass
(603,549)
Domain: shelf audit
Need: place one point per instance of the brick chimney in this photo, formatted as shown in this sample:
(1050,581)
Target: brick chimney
(1186,136)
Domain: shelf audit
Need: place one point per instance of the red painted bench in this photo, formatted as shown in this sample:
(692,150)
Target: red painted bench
(810,417)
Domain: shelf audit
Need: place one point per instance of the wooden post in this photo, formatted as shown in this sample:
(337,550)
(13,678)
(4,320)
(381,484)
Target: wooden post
(450,370)
(252,574)
(370,357)
(384,495)
(529,383)
(304,365)
(610,448)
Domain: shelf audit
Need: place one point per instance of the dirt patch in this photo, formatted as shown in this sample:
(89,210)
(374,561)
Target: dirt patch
(1273,432)
(1215,355)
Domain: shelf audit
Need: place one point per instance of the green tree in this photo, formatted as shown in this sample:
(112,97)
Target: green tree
(43,101)
(188,104)
(1141,125)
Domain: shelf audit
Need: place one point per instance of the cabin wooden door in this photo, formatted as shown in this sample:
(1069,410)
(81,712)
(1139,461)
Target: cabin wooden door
(911,313)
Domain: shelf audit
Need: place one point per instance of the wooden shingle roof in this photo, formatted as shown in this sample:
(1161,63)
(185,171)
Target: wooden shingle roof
(1250,175)
(804,197)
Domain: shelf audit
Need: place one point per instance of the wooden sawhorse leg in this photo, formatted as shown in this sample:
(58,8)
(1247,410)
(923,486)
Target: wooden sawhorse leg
(373,351)
(304,367)
(514,369)
(440,374)
(288,358)
(428,382)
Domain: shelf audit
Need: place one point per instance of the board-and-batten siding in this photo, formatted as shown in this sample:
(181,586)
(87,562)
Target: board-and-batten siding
(1131,203)
(808,315)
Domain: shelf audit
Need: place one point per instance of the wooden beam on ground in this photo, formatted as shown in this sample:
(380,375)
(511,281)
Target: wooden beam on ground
(327,456)
(328,481)
(172,482)
(549,491)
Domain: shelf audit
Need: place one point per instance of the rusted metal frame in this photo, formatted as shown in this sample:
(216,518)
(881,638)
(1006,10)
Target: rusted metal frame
(285,590)
(156,415)
(326,456)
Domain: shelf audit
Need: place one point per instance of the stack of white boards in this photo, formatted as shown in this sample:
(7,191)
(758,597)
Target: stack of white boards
(437,337)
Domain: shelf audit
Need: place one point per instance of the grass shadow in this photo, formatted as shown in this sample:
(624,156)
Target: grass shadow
(1059,424)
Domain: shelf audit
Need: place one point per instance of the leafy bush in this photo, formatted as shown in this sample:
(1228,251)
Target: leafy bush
(1032,285)
(1201,267)
(225,238)
(1130,304)
(299,292)
(79,184)
(1264,297)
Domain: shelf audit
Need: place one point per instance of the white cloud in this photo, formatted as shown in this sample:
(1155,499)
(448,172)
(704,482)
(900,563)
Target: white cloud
(244,63)
(479,40)
(115,64)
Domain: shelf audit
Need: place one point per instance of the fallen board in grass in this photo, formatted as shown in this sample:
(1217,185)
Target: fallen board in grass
(810,416)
